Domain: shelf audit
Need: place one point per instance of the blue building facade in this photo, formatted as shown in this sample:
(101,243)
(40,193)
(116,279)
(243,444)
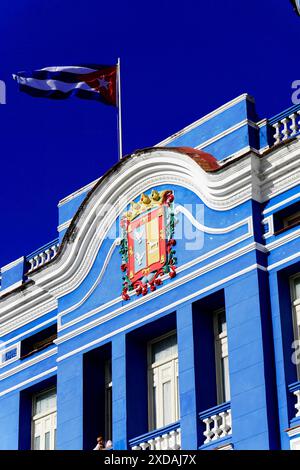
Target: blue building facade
(166,314)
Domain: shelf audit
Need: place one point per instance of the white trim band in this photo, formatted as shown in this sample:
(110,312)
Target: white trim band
(28,381)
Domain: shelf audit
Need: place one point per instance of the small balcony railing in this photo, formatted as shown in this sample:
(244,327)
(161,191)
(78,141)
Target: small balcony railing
(217,422)
(42,256)
(295,390)
(285,125)
(286,128)
(167,438)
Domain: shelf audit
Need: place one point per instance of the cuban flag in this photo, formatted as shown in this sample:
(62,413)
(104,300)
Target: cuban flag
(91,82)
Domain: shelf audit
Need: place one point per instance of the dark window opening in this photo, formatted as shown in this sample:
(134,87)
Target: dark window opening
(108,400)
(39,341)
(287,218)
(97,396)
(211,356)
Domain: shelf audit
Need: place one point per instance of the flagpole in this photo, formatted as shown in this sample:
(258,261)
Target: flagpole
(120,149)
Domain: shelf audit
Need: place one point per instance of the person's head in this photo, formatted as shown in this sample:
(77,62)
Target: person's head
(100,440)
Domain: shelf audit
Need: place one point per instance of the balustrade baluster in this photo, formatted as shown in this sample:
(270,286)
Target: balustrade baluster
(178,438)
(54,249)
(36,259)
(42,258)
(297,405)
(152,444)
(167,441)
(294,125)
(208,431)
(229,420)
(172,440)
(31,262)
(277,135)
(48,255)
(224,427)
(216,427)
(144,445)
(158,441)
(286,130)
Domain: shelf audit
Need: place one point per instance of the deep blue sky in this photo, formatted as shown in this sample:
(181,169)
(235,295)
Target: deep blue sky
(180,60)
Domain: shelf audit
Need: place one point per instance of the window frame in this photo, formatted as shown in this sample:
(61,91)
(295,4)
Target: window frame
(218,337)
(295,302)
(52,413)
(38,342)
(108,399)
(286,220)
(152,425)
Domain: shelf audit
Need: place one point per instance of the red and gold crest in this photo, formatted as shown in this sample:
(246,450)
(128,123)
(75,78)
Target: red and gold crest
(147,242)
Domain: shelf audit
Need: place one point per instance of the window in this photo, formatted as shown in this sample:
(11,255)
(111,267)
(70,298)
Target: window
(44,420)
(163,382)
(292,220)
(286,218)
(108,401)
(221,354)
(295,444)
(39,341)
(295,287)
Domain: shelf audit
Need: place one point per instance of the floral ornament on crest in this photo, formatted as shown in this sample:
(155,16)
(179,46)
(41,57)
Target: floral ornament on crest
(147,243)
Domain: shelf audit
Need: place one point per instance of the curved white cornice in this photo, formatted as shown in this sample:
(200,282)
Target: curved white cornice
(221,190)
(111,196)
(20,308)
(280,170)
(248,177)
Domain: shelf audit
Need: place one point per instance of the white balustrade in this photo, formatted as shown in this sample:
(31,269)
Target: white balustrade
(297,405)
(168,441)
(43,258)
(286,127)
(217,426)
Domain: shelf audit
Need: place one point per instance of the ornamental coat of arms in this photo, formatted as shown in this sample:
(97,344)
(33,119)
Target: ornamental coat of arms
(147,243)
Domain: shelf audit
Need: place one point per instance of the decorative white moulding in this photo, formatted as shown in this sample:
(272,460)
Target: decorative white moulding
(218,423)
(166,441)
(43,258)
(287,127)
(297,405)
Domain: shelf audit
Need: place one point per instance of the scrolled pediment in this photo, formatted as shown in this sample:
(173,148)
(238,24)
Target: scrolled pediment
(219,189)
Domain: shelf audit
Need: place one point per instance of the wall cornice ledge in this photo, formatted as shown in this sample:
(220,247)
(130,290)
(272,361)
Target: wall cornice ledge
(21,308)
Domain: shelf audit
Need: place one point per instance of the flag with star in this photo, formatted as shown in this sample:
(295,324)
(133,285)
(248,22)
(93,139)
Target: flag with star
(91,82)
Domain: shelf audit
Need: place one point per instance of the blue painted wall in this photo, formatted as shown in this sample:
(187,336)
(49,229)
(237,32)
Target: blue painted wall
(225,270)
